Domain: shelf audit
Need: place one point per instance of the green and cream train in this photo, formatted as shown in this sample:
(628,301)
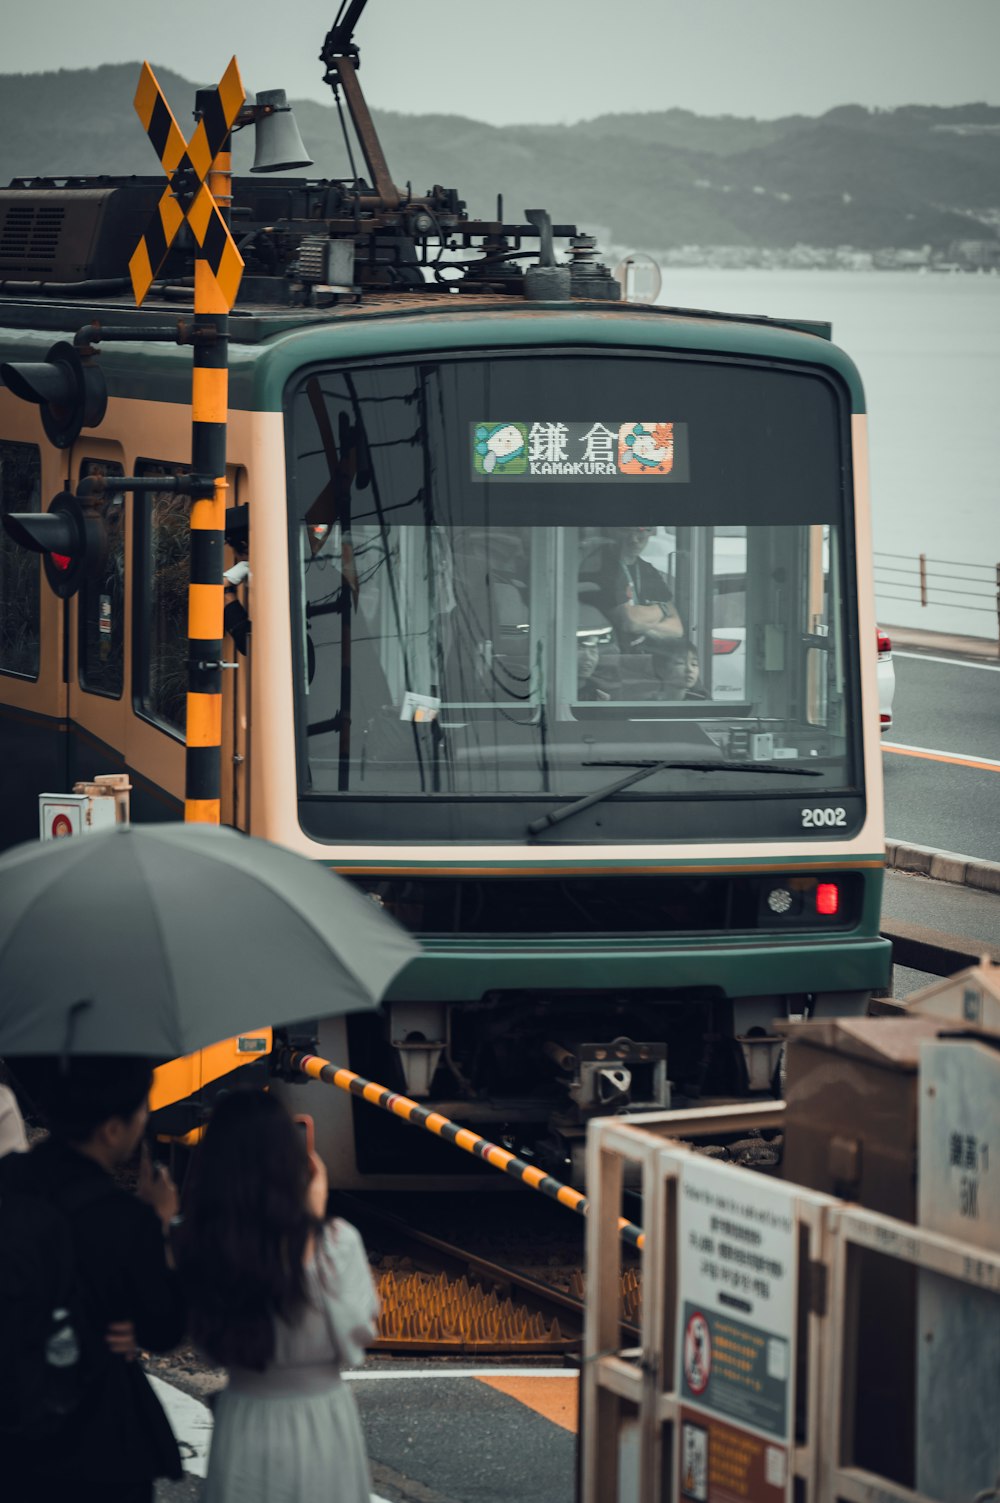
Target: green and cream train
(561,646)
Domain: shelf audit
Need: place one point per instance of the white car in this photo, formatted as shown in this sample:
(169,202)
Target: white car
(729,662)
(886,681)
(729,650)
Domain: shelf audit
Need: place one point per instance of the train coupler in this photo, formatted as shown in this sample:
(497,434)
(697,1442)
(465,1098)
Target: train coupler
(605,1077)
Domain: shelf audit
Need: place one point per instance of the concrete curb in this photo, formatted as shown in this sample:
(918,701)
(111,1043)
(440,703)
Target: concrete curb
(948,642)
(945,866)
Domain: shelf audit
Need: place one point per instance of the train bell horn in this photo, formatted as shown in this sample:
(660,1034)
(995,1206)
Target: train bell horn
(279,146)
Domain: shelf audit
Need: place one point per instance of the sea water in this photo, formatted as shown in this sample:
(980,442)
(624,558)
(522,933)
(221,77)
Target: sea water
(928,350)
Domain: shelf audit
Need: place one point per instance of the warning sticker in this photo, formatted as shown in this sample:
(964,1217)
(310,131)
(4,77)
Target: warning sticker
(697,1353)
(720,1463)
(694,1461)
(736,1297)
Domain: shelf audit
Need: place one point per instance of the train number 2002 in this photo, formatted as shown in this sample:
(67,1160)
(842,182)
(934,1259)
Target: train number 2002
(813,818)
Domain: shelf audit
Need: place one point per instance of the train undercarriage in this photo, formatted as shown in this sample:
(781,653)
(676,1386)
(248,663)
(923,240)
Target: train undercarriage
(530,1069)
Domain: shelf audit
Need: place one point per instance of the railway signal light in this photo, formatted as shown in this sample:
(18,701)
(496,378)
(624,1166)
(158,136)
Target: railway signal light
(72,541)
(69,389)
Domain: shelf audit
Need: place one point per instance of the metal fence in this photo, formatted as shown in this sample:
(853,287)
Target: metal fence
(654,1429)
(942,582)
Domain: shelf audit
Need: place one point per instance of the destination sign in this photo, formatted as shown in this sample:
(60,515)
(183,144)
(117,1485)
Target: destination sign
(580,452)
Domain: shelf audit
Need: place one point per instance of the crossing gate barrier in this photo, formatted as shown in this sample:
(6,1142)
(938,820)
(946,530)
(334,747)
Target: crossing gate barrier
(746,1385)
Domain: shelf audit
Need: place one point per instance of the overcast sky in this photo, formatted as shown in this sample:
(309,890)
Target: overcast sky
(549,60)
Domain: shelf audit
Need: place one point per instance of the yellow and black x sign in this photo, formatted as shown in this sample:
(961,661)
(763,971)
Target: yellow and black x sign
(187,196)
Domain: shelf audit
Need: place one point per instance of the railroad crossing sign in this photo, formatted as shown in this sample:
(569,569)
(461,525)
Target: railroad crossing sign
(187,196)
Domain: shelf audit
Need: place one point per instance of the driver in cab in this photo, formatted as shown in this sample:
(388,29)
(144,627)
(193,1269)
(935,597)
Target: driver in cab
(634,596)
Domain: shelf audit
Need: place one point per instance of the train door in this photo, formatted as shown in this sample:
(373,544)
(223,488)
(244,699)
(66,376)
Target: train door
(98,648)
(160,554)
(236,696)
(33,691)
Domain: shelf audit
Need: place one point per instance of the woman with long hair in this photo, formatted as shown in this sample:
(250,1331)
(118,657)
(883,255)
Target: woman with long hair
(284,1300)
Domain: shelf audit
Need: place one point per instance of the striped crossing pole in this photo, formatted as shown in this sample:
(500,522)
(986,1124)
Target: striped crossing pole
(209,405)
(209,409)
(200,181)
(462,1137)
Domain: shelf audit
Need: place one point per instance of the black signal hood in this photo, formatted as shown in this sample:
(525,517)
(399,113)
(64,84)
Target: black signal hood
(69,389)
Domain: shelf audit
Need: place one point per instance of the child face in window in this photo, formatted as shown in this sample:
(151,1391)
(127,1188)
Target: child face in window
(680,672)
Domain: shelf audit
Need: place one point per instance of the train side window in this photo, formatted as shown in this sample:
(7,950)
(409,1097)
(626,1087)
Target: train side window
(20,632)
(101,618)
(162,573)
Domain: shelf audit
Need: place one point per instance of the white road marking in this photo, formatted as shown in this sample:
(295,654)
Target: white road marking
(191,1420)
(932,754)
(925,657)
(463,1372)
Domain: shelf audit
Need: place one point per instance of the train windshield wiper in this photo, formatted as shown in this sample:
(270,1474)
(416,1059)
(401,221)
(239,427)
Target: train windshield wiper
(645,769)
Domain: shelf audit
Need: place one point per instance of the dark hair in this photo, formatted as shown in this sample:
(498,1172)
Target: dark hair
(74,1101)
(672,647)
(242,1245)
(237,526)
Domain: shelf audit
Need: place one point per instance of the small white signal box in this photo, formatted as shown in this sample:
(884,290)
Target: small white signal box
(99,805)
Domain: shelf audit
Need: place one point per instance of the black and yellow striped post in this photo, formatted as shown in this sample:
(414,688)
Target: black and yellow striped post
(462,1137)
(200,181)
(209,404)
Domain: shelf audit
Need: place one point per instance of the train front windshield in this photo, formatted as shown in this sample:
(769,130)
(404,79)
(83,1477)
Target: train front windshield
(515,581)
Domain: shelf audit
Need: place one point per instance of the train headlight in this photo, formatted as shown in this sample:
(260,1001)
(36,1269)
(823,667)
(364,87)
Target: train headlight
(779,900)
(827,898)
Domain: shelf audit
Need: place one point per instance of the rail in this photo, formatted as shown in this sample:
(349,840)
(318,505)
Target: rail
(441,1298)
(919,580)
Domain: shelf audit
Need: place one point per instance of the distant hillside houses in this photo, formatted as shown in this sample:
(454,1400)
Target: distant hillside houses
(958,256)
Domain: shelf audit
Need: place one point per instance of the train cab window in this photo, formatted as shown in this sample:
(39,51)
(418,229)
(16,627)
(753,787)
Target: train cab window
(162,572)
(20,490)
(490,610)
(101,619)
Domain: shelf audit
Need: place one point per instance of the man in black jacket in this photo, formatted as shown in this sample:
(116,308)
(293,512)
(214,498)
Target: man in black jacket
(113,1445)
(632,594)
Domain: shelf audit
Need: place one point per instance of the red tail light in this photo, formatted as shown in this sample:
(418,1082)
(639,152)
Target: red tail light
(884,644)
(722,646)
(827,898)
(61,560)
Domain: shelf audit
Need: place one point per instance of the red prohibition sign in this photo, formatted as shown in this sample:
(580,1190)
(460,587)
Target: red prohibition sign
(697,1353)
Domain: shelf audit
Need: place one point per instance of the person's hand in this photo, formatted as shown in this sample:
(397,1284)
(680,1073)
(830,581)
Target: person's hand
(238,574)
(120,1339)
(319,1188)
(156,1188)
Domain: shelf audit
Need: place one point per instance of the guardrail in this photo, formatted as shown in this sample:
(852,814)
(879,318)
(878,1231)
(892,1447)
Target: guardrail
(934,581)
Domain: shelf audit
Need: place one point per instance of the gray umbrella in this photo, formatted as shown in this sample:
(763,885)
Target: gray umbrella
(158,940)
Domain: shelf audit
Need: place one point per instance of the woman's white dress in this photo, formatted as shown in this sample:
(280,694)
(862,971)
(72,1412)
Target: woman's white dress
(292,1434)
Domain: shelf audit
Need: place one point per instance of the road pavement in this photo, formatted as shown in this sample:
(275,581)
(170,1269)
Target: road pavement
(437,1433)
(937,905)
(942,755)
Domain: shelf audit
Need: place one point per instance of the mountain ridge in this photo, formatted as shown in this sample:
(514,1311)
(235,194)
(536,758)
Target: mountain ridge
(911,177)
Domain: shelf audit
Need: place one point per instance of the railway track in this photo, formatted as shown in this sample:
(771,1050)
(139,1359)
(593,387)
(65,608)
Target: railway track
(442,1299)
